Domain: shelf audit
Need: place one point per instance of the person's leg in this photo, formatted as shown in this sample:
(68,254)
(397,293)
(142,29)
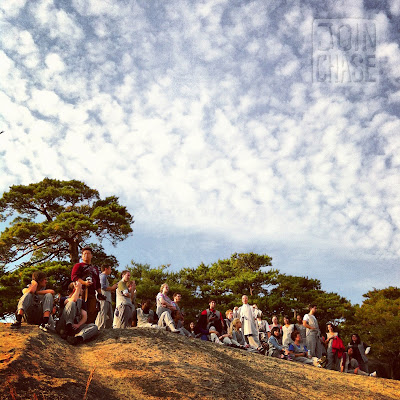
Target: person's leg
(101,318)
(253,341)
(330,364)
(87,332)
(91,309)
(23,304)
(312,344)
(109,315)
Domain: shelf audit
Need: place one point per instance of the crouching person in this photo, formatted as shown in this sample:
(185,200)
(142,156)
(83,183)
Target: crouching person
(36,303)
(72,324)
(125,297)
(350,365)
(169,321)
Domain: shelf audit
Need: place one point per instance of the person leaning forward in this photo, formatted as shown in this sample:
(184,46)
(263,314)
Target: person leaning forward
(88,276)
(36,303)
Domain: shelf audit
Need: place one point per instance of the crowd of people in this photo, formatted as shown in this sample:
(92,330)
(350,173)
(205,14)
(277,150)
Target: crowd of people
(87,308)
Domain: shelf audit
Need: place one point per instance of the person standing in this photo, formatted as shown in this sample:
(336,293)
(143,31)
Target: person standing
(125,293)
(332,357)
(88,276)
(312,332)
(249,327)
(104,318)
(301,328)
(360,350)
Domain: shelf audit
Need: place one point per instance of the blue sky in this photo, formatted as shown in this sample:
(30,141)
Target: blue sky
(224,126)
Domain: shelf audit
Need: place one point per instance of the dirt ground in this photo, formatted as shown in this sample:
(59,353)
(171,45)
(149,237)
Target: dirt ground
(144,363)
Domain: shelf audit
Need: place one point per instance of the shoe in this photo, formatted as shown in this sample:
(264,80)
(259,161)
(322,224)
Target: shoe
(44,327)
(15,325)
(74,340)
(373,374)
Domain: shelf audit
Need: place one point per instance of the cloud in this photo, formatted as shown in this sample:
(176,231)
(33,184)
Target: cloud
(204,117)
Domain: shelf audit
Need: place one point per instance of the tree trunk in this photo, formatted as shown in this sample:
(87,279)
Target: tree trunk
(73,251)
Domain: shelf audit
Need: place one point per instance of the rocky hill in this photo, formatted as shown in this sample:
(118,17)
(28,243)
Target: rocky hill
(140,363)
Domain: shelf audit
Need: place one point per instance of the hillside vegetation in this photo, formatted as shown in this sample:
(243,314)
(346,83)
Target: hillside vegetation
(143,363)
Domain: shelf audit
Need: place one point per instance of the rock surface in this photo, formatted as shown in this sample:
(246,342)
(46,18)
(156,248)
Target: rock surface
(143,363)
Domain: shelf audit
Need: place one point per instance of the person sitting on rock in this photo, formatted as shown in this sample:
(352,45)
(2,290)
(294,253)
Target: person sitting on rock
(299,353)
(169,321)
(72,325)
(350,365)
(275,348)
(163,302)
(210,325)
(146,318)
(125,295)
(229,318)
(263,328)
(237,337)
(36,303)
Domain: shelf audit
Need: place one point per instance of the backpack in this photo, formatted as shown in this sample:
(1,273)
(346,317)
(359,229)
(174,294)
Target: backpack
(34,313)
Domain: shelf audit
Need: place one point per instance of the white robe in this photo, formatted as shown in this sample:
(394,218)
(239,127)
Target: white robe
(246,316)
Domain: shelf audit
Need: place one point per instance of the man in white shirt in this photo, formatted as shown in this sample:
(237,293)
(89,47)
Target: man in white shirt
(312,332)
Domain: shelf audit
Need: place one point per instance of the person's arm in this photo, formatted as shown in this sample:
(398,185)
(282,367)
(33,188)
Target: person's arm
(46,291)
(31,288)
(132,289)
(82,320)
(305,324)
(75,296)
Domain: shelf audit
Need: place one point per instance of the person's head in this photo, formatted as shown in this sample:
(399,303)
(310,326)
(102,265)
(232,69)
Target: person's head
(146,304)
(40,278)
(312,308)
(299,318)
(106,269)
(259,314)
(330,328)
(286,320)
(229,314)
(87,254)
(192,325)
(296,337)
(355,338)
(350,351)
(236,324)
(125,275)
(71,288)
(212,304)
(274,320)
(177,297)
(275,331)
(164,288)
(245,299)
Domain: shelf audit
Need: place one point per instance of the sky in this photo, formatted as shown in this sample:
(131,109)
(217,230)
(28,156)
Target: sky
(223,126)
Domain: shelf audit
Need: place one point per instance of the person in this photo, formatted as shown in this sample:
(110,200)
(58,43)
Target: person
(275,348)
(237,337)
(249,328)
(73,325)
(312,332)
(275,323)
(333,359)
(350,365)
(298,352)
(210,325)
(287,330)
(88,276)
(163,302)
(146,317)
(104,318)
(192,326)
(301,328)
(176,299)
(36,303)
(169,321)
(229,318)
(263,328)
(124,306)
(360,350)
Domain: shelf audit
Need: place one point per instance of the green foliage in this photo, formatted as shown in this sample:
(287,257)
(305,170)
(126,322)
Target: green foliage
(53,219)
(377,322)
